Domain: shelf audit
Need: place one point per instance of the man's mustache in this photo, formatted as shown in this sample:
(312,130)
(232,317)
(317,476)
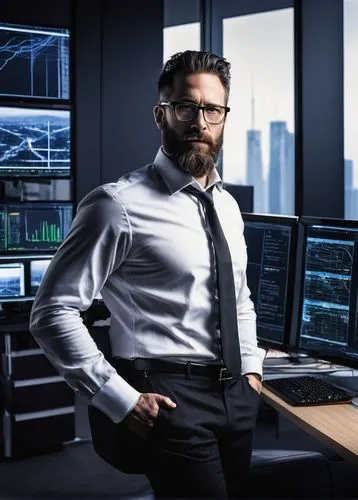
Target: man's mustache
(196,137)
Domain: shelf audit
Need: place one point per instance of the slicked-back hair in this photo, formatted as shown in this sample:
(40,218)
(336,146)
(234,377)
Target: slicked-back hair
(191,62)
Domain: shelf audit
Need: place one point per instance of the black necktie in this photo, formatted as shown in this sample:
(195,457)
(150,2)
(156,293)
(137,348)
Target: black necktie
(225,285)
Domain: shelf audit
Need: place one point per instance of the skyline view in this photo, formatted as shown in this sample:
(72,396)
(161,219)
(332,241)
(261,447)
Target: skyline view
(258,139)
(260,96)
(259,147)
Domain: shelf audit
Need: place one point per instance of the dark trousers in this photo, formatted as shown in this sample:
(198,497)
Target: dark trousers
(202,448)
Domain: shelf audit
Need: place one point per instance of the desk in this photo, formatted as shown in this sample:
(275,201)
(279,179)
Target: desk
(335,425)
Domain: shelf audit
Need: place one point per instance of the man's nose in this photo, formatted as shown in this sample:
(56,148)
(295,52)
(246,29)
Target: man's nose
(199,121)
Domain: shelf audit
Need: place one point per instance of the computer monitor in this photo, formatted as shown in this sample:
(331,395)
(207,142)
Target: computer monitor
(38,268)
(12,281)
(244,196)
(326,312)
(271,249)
(34,227)
(34,142)
(34,61)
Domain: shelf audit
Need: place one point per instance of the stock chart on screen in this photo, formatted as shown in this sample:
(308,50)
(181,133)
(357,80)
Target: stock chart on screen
(34,227)
(34,62)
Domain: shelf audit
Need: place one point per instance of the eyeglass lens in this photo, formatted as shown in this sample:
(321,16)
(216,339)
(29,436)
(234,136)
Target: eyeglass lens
(188,112)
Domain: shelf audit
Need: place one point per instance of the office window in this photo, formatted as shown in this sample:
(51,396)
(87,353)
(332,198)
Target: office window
(350,109)
(181,26)
(180,38)
(259,134)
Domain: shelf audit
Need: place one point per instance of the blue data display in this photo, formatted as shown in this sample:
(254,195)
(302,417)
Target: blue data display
(34,142)
(34,62)
(37,272)
(12,280)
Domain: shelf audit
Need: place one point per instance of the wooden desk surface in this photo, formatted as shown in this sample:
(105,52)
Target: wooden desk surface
(336,425)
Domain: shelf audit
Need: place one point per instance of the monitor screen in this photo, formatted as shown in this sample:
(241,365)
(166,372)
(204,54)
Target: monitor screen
(327,280)
(12,280)
(34,142)
(38,268)
(34,226)
(34,62)
(271,250)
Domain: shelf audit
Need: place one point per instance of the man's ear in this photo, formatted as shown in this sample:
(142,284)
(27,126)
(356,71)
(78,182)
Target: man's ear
(159,116)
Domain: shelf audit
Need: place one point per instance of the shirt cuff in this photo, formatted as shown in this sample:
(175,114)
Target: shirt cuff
(252,364)
(116,398)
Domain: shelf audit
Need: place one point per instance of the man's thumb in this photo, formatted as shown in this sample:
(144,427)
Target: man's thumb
(166,402)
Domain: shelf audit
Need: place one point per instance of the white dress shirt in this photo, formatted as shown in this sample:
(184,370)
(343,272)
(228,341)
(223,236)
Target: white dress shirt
(143,244)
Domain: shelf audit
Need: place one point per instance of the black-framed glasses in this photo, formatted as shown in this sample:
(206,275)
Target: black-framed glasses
(188,111)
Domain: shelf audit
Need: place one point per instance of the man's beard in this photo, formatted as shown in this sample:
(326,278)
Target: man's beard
(196,163)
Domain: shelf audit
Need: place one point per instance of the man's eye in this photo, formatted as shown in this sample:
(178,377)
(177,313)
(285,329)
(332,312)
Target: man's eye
(186,107)
(213,110)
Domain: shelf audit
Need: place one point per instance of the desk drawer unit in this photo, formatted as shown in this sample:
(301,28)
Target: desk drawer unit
(37,432)
(24,396)
(21,365)
(37,406)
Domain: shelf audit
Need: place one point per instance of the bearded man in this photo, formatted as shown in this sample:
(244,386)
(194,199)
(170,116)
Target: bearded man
(164,246)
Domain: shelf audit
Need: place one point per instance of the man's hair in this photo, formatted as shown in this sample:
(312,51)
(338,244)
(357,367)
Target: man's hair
(192,61)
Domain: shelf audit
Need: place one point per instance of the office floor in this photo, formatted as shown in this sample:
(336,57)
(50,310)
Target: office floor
(76,472)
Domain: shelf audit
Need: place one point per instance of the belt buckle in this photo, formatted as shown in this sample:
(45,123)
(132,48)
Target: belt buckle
(224,374)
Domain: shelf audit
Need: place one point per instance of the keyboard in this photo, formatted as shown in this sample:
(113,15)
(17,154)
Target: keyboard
(307,390)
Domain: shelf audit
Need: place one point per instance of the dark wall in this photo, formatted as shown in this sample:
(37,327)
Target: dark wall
(37,12)
(320,182)
(118,54)
(132,56)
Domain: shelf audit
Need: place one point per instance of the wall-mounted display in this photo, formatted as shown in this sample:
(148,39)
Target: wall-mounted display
(33,227)
(34,62)
(38,268)
(12,280)
(34,142)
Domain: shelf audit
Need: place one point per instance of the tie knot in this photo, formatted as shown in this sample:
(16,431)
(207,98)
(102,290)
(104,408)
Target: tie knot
(206,197)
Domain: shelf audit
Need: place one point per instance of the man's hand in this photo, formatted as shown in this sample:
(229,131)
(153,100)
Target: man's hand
(141,419)
(255,381)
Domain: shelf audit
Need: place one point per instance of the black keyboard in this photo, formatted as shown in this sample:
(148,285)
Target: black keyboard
(307,390)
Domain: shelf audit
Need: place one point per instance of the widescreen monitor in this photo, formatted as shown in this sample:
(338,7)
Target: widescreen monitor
(12,281)
(271,249)
(34,142)
(38,268)
(34,62)
(34,227)
(326,312)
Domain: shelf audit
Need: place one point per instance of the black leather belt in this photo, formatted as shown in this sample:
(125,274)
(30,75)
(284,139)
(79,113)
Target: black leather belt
(218,372)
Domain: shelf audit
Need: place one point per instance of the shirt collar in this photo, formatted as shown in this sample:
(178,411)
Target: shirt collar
(175,179)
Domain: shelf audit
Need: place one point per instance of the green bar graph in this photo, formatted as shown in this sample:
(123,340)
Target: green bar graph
(50,233)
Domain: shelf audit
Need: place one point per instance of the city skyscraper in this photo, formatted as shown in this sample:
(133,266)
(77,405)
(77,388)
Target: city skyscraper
(350,193)
(254,167)
(281,169)
(254,176)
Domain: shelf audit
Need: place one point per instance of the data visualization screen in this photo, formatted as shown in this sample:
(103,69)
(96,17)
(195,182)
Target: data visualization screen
(37,272)
(34,227)
(12,280)
(34,142)
(34,62)
(328,313)
(271,249)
